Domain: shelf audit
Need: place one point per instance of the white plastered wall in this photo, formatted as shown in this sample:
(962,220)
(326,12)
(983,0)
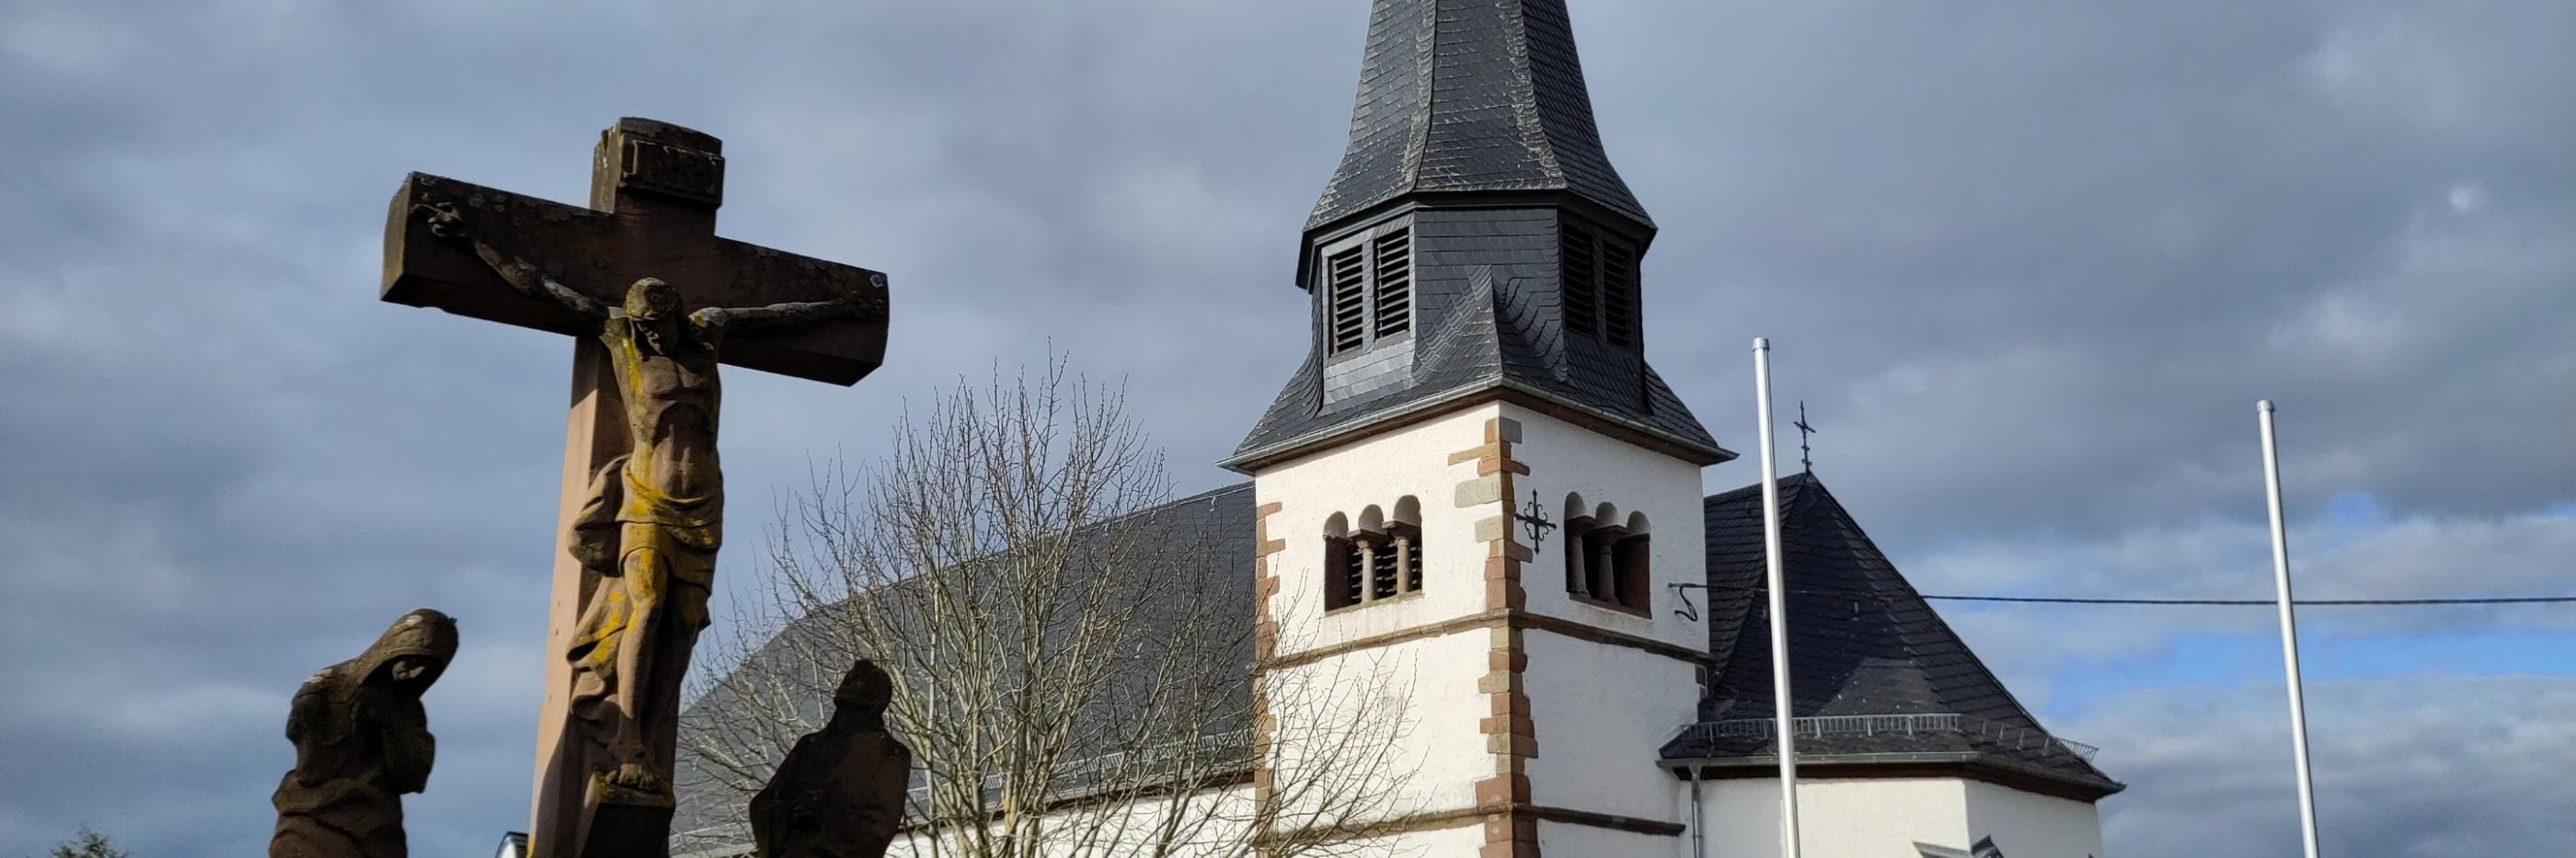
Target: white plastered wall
(1442,754)
(2030,825)
(1602,711)
(1585,841)
(1565,458)
(1854,818)
(1378,470)
(1601,714)
(1212,823)
(1438,758)
(1885,818)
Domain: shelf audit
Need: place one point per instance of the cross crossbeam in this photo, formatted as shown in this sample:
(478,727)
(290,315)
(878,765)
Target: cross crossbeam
(652,214)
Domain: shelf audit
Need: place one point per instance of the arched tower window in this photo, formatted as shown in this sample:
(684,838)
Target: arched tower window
(1600,577)
(1405,530)
(1607,556)
(1373,557)
(1629,559)
(1341,564)
(1578,518)
(1377,556)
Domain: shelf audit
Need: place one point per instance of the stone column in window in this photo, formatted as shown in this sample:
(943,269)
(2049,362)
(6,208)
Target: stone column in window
(1368,571)
(1604,584)
(1578,578)
(1405,570)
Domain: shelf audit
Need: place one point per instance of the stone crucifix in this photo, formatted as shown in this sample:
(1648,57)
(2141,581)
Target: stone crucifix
(655,301)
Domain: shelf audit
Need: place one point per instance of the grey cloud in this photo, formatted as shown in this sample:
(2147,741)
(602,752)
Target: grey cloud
(2432,766)
(2031,264)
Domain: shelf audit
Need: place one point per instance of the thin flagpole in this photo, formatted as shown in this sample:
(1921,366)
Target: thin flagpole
(1779,588)
(2289,628)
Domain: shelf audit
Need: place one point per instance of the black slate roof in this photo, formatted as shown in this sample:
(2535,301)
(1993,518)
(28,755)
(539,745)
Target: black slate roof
(1471,95)
(1862,643)
(1473,129)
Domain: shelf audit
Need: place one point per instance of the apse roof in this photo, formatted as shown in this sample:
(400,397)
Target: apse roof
(1876,675)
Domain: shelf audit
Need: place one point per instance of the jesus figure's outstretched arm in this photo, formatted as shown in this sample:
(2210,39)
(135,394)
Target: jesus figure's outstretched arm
(853,302)
(521,275)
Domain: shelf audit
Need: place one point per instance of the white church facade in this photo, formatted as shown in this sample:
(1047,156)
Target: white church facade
(1476,479)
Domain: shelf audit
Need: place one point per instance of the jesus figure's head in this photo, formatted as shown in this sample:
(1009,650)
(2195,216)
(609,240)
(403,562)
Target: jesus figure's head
(650,299)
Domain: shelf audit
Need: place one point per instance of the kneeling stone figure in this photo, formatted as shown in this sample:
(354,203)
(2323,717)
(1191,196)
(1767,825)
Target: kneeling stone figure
(362,741)
(840,792)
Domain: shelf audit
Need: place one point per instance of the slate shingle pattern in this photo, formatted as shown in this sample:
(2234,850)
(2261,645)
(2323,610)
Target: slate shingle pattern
(1462,97)
(1487,316)
(1471,95)
(1862,642)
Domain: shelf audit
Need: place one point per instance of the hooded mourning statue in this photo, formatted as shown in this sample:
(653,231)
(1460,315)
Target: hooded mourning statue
(839,793)
(361,742)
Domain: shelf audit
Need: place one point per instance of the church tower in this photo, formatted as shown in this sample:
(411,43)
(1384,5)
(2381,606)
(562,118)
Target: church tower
(1475,485)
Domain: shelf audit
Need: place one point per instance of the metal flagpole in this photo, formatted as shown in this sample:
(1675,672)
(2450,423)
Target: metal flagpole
(1779,588)
(2289,628)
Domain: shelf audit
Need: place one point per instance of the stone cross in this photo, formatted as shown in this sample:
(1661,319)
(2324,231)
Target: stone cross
(655,300)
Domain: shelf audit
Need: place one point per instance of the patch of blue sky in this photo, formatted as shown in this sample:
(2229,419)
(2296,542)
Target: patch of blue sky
(2227,660)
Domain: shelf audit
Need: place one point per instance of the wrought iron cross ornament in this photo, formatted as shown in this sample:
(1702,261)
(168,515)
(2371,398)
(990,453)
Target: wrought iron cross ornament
(1535,521)
(1804,430)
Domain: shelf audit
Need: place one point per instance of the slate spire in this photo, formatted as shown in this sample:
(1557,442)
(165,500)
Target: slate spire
(1474,244)
(1472,95)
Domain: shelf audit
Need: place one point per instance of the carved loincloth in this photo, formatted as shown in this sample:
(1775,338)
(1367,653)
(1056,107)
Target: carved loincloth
(664,555)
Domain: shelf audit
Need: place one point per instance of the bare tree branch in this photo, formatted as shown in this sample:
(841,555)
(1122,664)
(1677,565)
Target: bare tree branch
(1071,653)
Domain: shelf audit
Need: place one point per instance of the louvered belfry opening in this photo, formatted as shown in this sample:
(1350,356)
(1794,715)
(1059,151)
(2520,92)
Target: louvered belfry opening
(1393,253)
(1368,291)
(1346,298)
(1618,293)
(1597,283)
(1577,268)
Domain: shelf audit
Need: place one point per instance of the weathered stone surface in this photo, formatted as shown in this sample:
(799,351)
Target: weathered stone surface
(361,741)
(643,279)
(840,792)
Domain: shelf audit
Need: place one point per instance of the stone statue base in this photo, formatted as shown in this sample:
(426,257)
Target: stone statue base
(626,823)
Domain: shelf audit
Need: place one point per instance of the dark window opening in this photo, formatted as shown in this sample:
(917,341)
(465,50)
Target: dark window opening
(1394,257)
(1628,571)
(1368,291)
(1608,564)
(1341,573)
(1578,578)
(1618,293)
(1406,566)
(1346,301)
(1375,560)
(1576,272)
(1597,278)
(1600,562)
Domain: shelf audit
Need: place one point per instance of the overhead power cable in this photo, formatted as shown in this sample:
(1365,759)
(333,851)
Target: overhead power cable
(2068,600)
(2079,600)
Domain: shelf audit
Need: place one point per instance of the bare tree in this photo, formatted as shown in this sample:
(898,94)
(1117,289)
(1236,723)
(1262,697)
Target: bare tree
(88,843)
(1072,653)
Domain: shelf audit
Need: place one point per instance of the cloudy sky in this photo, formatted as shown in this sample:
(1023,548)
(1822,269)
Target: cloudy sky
(2030,265)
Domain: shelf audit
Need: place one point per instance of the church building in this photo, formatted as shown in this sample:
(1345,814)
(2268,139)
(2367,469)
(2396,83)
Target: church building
(1476,474)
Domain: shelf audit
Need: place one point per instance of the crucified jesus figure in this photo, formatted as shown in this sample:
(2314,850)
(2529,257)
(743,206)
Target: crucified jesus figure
(654,516)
